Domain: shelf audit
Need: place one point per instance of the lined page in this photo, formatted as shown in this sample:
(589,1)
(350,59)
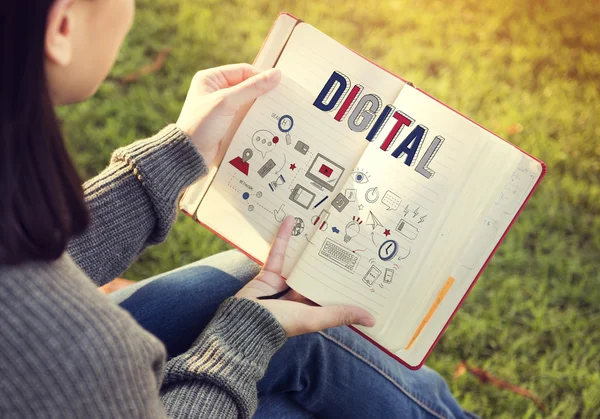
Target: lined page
(492,228)
(400,211)
(288,157)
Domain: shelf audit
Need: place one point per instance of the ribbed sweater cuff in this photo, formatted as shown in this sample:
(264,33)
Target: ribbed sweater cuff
(232,353)
(164,165)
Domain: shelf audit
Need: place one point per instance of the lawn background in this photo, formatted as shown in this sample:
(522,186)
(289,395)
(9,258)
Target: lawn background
(527,70)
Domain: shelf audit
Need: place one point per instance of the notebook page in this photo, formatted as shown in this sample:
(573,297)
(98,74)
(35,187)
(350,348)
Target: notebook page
(288,157)
(398,211)
(493,226)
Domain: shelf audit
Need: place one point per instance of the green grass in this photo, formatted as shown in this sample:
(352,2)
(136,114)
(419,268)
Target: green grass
(533,317)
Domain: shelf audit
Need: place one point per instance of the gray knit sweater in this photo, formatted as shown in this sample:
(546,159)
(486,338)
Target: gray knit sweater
(67,351)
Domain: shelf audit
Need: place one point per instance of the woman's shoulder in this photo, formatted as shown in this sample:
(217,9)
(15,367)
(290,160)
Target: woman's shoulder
(67,348)
(55,322)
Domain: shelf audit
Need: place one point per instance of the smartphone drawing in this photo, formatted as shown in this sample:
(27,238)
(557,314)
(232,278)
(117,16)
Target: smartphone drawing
(371,276)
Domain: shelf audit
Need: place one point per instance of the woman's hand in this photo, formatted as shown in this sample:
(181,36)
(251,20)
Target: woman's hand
(296,314)
(215,96)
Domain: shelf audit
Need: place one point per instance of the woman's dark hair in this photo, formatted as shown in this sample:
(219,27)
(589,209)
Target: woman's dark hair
(41,198)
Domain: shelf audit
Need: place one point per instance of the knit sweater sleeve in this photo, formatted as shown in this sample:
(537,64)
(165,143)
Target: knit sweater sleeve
(132,202)
(217,377)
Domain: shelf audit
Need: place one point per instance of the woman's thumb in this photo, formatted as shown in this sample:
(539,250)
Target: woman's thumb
(253,87)
(341,315)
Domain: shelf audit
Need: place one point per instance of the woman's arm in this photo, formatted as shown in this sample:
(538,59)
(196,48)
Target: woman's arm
(132,202)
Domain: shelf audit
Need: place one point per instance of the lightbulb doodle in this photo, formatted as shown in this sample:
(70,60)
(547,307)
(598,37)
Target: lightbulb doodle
(352,229)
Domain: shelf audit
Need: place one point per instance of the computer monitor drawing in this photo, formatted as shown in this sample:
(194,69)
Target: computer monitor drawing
(324,173)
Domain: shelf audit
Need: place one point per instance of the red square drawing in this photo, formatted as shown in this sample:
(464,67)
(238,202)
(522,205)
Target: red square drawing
(326,170)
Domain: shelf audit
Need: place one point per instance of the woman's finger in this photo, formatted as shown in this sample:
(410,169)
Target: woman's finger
(250,89)
(228,75)
(320,318)
(276,258)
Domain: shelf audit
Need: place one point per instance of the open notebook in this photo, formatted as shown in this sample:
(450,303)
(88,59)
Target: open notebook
(399,200)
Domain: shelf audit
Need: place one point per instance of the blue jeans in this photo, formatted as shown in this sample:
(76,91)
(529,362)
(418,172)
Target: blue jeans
(334,373)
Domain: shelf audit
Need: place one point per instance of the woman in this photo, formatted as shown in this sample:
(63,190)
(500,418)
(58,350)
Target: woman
(68,351)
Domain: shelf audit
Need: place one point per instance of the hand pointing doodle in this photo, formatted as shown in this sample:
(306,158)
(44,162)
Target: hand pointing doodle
(279,214)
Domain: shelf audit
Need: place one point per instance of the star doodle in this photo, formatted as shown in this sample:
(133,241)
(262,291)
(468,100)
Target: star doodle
(387,232)
(292,166)
(361,207)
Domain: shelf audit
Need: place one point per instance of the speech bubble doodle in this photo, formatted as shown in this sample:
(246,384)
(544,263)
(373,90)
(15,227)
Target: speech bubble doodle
(391,201)
(264,141)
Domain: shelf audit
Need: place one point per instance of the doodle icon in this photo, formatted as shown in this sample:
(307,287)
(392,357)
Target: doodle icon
(324,173)
(388,275)
(321,201)
(301,147)
(350,194)
(288,138)
(321,220)
(298,226)
(279,214)
(326,170)
(340,202)
(302,196)
(391,201)
(339,255)
(407,230)
(266,168)
(371,276)
(352,230)
(388,250)
(359,176)
(373,221)
(264,141)
(372,195)
(241,163)
(403,251)
(280,180)
(286,123)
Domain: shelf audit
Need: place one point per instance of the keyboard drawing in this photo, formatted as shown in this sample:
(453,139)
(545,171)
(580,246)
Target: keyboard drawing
(339,255)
